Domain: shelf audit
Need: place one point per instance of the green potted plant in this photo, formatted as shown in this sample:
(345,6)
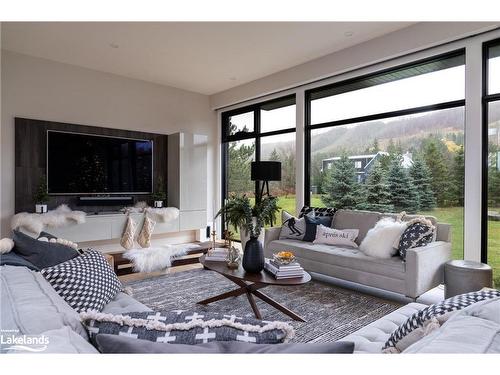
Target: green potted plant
(239,213)
(159,195)
(41,197)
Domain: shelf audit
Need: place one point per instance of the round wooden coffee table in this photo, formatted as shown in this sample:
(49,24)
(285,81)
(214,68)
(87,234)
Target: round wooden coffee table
(250,283)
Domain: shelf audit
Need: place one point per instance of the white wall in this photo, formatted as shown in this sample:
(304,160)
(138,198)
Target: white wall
(46,90)
(399,43)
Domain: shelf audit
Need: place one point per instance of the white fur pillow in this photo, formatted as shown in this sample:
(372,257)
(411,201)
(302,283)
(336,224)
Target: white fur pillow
(379,241)
(330,236)
(6,245)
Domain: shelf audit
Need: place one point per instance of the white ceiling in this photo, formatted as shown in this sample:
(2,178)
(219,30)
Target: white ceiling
(204,57)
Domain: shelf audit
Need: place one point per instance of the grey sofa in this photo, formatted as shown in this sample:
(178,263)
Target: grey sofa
(30,306)
(475,329)
(422,271)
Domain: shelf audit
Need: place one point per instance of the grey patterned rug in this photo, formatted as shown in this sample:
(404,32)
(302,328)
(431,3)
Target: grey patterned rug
(331,312)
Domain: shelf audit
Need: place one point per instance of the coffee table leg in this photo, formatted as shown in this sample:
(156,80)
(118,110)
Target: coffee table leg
(232,293)
(278,306)
(254,305)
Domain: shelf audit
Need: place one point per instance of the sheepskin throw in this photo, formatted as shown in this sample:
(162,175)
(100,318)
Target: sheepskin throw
(162,215)
(35,223)
(187,327)
(379,241)
(6,245)
(127,240)
(157,258)
(144,239)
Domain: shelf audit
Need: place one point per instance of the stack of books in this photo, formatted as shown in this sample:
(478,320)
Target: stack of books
(219,254)
(282,271)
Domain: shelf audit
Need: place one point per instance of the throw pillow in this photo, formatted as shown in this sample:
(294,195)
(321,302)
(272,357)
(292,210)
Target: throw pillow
(13,259)
(187,327)
(418,319)
(86,283)
(312,225)
(292,227)
(379,240)
(47,237)
(419,232)
(41,254)
(317,211)
(330,236)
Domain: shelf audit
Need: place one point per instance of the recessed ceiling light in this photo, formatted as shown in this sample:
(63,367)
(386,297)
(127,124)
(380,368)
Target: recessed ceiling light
(113,45)
(348,33)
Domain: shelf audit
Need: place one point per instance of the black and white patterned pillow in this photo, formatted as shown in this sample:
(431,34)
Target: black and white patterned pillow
(415,235)
(318,211)
(86,282)
(418,319)
(186,327)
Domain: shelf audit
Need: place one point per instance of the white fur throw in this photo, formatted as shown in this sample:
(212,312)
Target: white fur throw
(153,259)
(60,217)
(6,245)
(162,215)
(379,240)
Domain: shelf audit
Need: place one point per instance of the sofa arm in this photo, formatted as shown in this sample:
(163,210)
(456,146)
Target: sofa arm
(271,234)
(425,267)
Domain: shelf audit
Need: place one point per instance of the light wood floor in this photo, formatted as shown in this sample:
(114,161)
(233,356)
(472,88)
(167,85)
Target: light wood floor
(142,276)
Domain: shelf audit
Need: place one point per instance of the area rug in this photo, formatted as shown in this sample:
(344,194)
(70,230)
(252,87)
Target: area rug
(331,312)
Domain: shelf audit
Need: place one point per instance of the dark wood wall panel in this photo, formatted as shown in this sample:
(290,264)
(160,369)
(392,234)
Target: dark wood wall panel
(31,159)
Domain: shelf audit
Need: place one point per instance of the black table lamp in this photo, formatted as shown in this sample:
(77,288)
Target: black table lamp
(265,171)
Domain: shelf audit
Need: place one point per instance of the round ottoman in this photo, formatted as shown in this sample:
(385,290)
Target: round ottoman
(463,276)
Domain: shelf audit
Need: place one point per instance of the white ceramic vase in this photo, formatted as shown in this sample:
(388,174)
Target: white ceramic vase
(40,208)
(158,204)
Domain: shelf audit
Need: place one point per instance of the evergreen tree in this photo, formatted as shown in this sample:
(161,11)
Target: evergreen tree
(340,185)
(458,176)
(436,163)
(376,194)
(403,194)
(376,147)
(274,156)
(422,181)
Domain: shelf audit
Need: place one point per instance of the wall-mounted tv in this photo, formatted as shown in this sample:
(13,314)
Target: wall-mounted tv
(93,164)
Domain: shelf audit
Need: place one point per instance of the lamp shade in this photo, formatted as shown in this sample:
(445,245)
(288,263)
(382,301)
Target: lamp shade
(266,171)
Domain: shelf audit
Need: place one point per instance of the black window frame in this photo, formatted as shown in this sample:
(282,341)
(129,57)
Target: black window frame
(486,100)
(378,116)
(256,135)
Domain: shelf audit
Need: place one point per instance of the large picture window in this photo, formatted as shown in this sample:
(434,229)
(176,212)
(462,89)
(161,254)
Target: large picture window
(491,197)
(265,131)
(391,141)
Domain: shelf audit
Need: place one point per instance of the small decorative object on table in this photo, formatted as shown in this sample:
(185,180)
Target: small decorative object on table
(284,257)
(41,196)
(233,255)
(284,266)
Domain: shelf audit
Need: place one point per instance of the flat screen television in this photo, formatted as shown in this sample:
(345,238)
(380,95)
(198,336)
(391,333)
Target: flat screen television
(93,164)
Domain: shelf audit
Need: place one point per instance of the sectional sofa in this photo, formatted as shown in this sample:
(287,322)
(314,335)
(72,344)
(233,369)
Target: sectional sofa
(422,271)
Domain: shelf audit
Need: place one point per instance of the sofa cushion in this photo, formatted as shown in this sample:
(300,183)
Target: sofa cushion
(292,227)
(451,304)
(351,219)
(41,254)
(475,329)
(371,338)
(31,306)
(86,283)
(341,256)
(317,211)
(312,223)
(120,344)
(123,303)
